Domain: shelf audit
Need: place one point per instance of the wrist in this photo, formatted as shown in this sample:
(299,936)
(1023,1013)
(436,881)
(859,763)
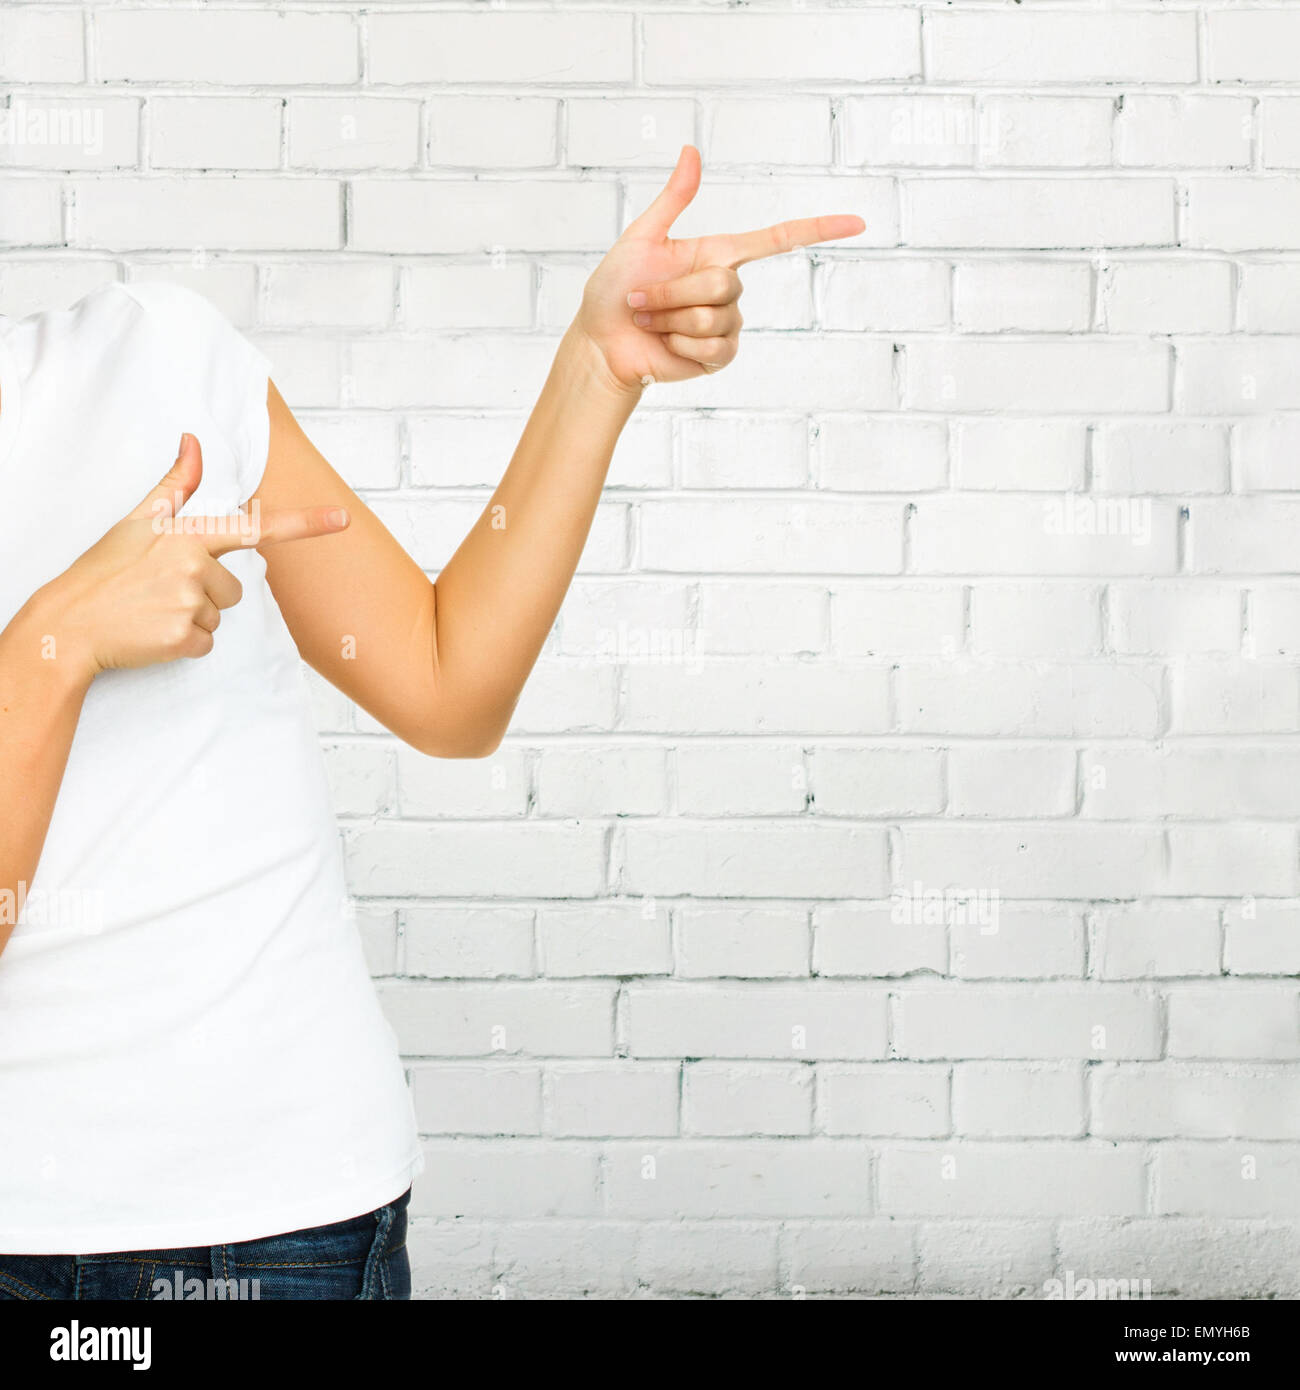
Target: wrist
(50,639)
(580,356)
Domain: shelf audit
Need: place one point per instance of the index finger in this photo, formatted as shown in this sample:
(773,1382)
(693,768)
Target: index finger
(251,530)
(781,237)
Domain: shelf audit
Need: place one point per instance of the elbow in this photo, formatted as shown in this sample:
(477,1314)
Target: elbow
(482,747)
(443,742)
(470,724)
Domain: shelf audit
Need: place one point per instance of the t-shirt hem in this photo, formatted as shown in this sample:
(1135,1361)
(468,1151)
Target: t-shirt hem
(186,1233)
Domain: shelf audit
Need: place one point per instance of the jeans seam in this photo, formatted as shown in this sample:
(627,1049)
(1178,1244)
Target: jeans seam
(145,1257)
(14,1285)
(298,1264)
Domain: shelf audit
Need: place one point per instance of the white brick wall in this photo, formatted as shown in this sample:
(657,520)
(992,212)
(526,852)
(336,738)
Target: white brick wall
(975,575)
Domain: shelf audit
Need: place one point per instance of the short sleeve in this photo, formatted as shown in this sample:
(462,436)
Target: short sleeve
(219,362)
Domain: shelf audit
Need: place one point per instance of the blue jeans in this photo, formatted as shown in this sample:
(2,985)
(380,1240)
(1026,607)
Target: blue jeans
(364,1257)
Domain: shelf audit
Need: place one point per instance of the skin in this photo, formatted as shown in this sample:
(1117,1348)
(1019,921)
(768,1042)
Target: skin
(441,664)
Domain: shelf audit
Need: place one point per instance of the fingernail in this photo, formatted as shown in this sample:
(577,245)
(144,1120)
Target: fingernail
(642,319)
(180,448)
(337,517)
(636,300)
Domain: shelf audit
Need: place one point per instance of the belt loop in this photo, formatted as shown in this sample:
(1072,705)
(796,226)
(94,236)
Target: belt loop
(377,1260)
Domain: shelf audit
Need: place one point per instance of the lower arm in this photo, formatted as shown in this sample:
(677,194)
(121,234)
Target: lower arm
(41,695)
(498,596)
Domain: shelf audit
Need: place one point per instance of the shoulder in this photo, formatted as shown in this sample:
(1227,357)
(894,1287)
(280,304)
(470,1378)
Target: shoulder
(175,303)
(196,335)
(170,322)
(211,365)
(115,310)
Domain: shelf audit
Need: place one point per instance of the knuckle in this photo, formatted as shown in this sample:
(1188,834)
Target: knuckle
(702,318)
(720,281)
(184,555)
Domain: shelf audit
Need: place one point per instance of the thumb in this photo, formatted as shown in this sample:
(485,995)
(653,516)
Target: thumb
(179,484)
(683,184)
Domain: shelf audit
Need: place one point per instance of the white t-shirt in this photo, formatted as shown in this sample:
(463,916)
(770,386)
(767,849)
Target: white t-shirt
(191,1051)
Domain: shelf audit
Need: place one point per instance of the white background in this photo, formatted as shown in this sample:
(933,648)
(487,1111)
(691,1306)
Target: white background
(975,573)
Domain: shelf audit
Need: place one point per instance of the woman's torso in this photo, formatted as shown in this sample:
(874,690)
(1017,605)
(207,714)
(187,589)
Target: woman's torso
(190,1047)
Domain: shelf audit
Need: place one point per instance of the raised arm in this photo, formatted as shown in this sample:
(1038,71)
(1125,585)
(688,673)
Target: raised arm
(443,665)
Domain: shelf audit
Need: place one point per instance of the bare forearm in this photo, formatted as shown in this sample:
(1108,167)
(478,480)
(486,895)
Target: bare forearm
(499,595)
(41,695)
